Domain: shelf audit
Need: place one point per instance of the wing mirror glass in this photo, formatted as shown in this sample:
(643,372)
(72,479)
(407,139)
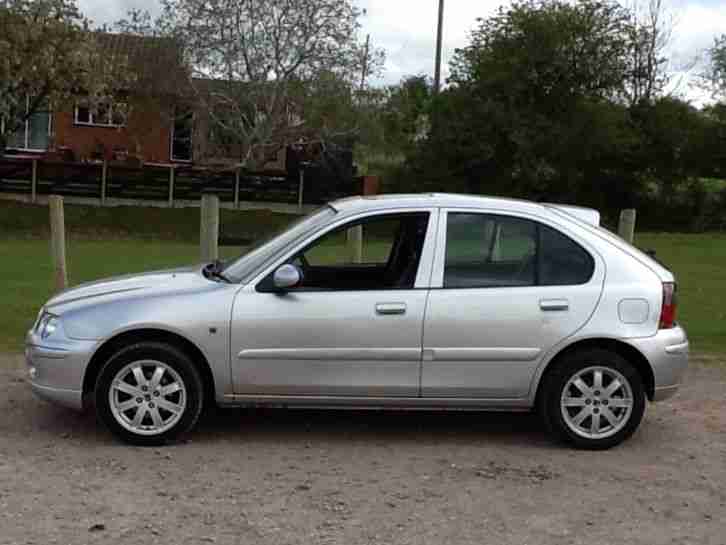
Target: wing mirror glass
(286,277)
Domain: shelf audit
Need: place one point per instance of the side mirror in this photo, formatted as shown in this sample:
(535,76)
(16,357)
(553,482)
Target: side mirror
(286,277)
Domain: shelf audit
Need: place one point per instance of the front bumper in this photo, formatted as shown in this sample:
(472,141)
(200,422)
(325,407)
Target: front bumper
(667,352)
(56,368)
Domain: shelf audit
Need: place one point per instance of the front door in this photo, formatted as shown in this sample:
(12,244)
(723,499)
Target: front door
(352,327)
(510,289)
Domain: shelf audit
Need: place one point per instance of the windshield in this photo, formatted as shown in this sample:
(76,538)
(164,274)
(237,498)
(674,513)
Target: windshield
(257,255)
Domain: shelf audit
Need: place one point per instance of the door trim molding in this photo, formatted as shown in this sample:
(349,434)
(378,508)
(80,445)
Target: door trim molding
(332,354)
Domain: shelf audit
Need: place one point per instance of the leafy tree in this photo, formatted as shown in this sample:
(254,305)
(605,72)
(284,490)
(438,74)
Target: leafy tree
(47,56)
(267,58)
(715,75)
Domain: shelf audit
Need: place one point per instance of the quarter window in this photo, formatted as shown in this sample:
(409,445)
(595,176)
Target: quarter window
(486,251)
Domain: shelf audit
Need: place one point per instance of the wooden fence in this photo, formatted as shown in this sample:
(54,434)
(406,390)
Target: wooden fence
(169,185)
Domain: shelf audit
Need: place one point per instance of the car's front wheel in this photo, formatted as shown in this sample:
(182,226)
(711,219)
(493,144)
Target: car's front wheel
(149,393)
(593,399)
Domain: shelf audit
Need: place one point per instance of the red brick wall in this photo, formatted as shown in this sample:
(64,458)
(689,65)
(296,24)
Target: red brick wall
(150,129)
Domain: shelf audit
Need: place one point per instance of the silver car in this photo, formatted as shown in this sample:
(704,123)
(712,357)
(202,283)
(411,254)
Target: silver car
(427,301)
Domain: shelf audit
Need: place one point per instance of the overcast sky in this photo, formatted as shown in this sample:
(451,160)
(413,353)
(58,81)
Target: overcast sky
(406,29)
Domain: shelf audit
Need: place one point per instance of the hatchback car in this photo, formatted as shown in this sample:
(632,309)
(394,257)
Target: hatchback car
(409,301)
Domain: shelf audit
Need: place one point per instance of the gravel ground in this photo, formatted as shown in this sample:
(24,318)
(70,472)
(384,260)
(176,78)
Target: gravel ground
(288,477)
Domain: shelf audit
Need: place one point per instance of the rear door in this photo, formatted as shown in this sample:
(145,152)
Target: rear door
(510,287)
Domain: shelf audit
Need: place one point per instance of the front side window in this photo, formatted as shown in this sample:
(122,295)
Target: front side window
(487,251)
(377,253)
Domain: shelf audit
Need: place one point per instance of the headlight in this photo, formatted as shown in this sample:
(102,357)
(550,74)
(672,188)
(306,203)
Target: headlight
(47,325)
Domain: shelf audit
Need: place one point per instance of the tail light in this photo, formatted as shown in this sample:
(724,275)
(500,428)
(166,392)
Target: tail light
(668,310)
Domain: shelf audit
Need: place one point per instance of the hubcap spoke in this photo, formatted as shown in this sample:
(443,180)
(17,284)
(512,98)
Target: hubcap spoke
(580,385)
(126,388)
(169,406)
(574,402)
(156,378)
(612,388)
(126,405)
(139,376)
(169,389)
(595,425)
(597,380)
(619,402)
(609,416)
(582,415)
(138,417)
(156,417)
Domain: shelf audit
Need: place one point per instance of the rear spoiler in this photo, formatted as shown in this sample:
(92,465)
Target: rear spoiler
(588,215)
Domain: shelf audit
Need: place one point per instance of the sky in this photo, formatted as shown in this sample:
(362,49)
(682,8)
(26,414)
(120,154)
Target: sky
(406,30)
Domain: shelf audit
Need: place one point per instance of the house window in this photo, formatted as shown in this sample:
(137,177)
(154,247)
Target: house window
(105,113)
(181,134)
(34,133)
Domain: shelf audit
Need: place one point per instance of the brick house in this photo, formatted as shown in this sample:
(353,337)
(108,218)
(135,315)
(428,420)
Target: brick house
(151,125)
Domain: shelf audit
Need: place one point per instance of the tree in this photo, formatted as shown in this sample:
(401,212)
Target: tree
(267,59)
(715,74)
(47,56)
(650,33)
(406,113)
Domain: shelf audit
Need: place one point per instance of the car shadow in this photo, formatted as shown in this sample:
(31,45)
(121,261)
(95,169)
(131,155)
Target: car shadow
(268,425)
(275,425)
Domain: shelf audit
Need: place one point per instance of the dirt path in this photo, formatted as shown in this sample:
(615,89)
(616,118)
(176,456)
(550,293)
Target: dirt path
(312,477)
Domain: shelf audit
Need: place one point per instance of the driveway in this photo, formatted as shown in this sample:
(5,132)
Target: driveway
(289,477)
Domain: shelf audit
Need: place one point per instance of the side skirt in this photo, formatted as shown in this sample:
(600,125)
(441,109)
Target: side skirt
(377,403)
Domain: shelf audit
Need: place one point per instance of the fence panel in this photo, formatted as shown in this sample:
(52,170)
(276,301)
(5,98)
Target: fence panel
(16,176)
(149,182)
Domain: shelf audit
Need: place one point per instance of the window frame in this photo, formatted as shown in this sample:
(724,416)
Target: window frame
(26,129)
(439,266)
(93,123)
(423,275)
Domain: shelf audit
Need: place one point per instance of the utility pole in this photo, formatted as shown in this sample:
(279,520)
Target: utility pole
(364,75)
(439,40)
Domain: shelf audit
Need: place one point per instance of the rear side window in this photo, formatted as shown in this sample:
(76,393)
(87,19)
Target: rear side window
(562,261)
(486,251)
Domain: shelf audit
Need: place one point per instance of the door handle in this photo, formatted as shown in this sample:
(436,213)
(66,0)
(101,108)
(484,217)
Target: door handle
(554,304)
(390,308)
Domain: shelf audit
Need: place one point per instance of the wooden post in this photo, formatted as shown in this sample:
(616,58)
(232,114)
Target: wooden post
(58,241)
(354,237)
(236,188)
(104,175)
(171,186)
(300,188)
(34,182)
(209,227)
(626,225)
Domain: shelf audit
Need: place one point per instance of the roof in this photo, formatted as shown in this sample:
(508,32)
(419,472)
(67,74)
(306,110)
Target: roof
(156,62)
(359,204)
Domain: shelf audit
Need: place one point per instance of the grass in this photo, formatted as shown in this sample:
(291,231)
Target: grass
(26,273)
(699,262)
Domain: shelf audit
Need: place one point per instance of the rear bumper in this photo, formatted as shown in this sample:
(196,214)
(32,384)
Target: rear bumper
(667,352)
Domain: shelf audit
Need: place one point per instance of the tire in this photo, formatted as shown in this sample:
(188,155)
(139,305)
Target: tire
(579,413)
(170,404)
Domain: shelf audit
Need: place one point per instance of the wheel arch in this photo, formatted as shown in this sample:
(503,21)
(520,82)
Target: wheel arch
(125,338)
(625,350)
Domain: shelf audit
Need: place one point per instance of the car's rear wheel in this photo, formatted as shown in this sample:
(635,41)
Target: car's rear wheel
(149,393)
(593,399)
